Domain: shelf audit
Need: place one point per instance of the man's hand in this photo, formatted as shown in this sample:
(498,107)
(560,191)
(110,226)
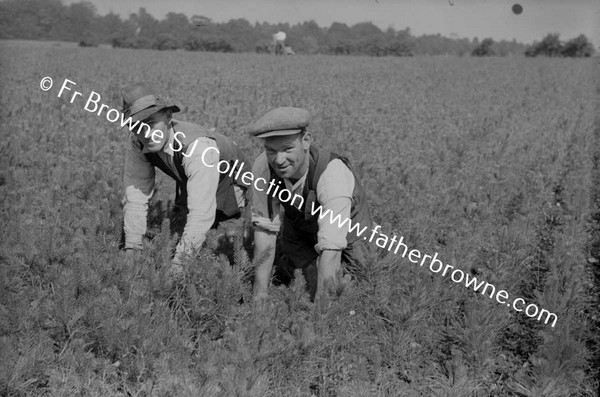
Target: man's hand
(260,289)
(175,274)
(132,253)
(264,254)
(176,270)
(259,296)
(329,267)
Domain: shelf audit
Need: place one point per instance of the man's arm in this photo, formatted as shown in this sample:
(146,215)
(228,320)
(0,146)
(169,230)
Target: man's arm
(334,191)
(264,253)
(266,227)
(331,242)
(202,184)
(138,180)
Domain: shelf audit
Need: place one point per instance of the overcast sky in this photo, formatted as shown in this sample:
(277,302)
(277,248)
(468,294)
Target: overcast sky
(463,18)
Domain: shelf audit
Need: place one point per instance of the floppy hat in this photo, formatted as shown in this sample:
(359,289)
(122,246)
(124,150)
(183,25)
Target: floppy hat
(140,101)
(279,122)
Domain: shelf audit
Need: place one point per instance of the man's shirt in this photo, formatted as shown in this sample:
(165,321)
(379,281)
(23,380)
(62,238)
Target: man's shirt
(334,192)
(201,189)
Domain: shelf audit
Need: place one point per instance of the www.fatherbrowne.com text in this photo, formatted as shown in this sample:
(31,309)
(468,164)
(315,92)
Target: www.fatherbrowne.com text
(436,266)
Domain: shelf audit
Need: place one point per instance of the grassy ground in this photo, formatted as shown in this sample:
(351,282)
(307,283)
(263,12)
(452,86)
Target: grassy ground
(492,163)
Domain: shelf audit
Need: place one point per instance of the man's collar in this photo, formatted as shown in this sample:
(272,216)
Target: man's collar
(169,144)
(292,186)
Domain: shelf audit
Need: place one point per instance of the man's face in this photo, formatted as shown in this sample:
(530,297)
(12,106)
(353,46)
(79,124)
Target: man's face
(159,129)
(288,155)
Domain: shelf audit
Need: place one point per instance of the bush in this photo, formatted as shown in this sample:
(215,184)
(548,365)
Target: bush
(87,43)
(166,41)
(551,46)
(578,47)
(132,42)
(484,49)
(211,44)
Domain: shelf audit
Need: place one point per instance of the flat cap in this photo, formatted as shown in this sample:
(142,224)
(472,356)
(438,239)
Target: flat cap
(278,122)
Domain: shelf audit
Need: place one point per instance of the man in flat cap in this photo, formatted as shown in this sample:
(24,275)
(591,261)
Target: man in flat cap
(187,153)
(307,178)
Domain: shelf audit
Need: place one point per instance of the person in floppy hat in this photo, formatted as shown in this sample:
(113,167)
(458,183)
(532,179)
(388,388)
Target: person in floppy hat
(182,151)
(324,180)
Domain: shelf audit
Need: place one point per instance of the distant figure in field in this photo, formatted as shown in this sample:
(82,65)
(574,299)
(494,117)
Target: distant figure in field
(183,151)
(278,44)
(312,177)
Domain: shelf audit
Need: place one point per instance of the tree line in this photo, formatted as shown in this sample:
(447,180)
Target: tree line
(550,46)
(80,22)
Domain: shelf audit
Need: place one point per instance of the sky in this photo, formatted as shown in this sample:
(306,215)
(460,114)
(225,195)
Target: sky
(452,18)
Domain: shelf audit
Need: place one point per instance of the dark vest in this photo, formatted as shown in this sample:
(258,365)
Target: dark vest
(229,151)
(302,218)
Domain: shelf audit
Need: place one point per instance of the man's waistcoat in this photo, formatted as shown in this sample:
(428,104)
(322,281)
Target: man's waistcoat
(228,151)
(302,218)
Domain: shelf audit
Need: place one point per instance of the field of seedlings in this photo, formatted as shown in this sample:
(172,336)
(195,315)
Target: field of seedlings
(492,163)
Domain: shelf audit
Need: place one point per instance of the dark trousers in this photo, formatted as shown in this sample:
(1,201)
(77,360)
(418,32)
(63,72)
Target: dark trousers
(296,250)
(229,225)
(180,211)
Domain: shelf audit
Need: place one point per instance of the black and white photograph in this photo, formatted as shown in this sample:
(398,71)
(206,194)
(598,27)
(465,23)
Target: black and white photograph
(320,198)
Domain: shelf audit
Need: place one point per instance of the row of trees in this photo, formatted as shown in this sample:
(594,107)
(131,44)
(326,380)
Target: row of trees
(52,20)
(550,46)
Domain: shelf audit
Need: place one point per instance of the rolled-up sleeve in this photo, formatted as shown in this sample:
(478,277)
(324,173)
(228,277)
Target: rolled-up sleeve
(200,166)
(260,203)
(138,180)
(334,193)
